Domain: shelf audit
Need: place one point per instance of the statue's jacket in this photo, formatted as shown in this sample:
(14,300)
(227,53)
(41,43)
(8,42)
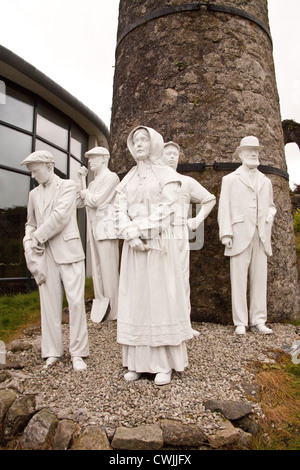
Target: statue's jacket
(242,208)
(99,202)
(53,220)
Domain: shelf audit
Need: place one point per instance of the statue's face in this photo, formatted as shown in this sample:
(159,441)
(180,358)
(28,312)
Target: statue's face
(96,162)
(250,157)
(141,144)
(41,172)
(170,156)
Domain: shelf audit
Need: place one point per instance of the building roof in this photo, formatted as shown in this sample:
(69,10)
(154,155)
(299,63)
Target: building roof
(19,71)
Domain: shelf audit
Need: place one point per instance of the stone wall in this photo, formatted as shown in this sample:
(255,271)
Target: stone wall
(23,426)
(205,80)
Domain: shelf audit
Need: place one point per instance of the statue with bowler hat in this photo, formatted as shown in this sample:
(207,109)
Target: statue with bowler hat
(245,217)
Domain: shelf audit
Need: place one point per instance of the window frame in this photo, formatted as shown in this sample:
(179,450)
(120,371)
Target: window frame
(36,100)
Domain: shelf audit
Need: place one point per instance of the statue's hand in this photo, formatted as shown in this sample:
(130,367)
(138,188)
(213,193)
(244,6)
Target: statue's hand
(137,245)
(36,246)
(191,223)
(269,219)
(82,171)
(227,241)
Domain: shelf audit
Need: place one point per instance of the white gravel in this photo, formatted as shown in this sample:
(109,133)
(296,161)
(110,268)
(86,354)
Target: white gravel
(218,366)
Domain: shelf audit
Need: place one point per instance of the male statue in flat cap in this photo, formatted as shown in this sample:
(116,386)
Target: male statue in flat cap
(104,245)
(51,232)
(245,216)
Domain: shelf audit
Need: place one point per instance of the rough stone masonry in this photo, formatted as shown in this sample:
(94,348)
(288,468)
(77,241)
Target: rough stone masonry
(204,77)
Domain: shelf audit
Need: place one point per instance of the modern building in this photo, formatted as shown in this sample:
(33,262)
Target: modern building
(35,113)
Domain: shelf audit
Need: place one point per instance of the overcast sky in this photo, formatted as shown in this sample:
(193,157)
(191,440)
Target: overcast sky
(73,43)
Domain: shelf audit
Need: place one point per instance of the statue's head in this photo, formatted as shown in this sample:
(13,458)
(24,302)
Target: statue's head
(248,151)
(171,154)
(97,157)
(144,143)
(41,165)
(141,144)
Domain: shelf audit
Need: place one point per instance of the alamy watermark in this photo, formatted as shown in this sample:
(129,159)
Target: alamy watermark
(2,92)
(196,238)
(157,222)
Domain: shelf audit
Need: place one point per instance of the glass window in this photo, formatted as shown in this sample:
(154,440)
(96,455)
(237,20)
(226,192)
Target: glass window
(13,214)
(79,143)
(15,146)
(17,109)
(74,167)
(16,143)
(52,126)
(59,157)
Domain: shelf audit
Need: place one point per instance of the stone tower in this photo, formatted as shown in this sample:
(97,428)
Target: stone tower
(202,75)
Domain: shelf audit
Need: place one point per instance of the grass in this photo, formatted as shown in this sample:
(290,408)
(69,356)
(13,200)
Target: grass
(280,402)
(89,290)
(18,312)
(297,236)
(280,392)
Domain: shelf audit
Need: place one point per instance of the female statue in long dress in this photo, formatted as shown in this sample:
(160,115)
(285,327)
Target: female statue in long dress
(153,314)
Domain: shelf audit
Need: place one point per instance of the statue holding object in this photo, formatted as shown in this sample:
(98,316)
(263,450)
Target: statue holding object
(104,244)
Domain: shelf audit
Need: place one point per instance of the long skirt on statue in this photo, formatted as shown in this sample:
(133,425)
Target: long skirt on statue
(153,313)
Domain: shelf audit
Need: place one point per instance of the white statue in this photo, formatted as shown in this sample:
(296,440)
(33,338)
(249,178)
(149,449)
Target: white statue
(153,316)
(190,192)
(245,216)
(51,233)
(104,245)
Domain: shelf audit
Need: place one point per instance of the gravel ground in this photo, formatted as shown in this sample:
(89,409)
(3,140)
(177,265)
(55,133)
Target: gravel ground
(218,369)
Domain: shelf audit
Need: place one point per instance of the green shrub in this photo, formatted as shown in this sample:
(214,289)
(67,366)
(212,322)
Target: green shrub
(297,222)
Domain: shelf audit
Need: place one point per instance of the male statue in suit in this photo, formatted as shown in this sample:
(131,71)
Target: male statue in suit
(52,238)
(98,199)
(245,217)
